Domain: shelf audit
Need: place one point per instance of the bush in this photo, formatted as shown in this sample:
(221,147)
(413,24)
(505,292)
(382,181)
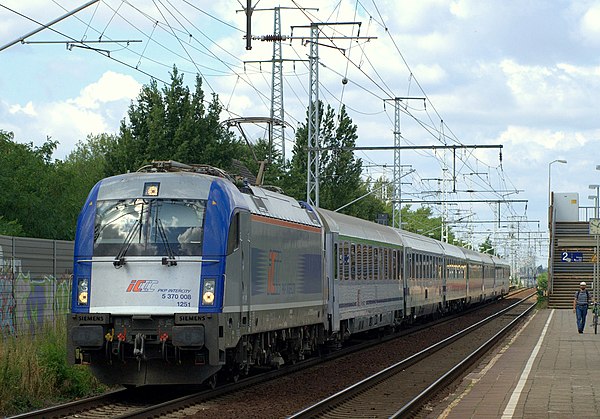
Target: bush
(34,372)
(542,290)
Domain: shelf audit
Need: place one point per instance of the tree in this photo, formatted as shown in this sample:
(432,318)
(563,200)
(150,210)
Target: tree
(340,171)
(487,247)
(32,193)
(10,228)
(274,171)
(294,182)
(172,124)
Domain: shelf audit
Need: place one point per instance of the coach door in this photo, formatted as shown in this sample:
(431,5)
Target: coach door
(333,251)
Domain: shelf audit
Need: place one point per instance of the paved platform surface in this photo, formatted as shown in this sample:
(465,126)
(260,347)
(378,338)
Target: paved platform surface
(546,369)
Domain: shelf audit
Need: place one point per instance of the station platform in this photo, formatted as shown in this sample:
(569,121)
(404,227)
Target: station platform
(545,369)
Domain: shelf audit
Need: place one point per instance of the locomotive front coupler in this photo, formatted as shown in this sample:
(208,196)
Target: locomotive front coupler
(138,346)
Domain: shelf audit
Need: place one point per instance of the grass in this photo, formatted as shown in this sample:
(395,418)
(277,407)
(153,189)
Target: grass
(34,372)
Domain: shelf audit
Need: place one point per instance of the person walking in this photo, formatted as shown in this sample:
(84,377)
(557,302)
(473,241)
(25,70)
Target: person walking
(580,305)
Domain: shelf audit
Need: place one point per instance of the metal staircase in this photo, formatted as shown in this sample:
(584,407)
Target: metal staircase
(572,252)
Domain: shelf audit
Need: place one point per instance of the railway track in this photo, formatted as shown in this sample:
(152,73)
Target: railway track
(402,389)
(144,402)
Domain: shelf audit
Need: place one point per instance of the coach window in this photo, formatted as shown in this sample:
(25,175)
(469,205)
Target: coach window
(358,262)
(344,260)
(353,261)
(417,258)
(429,266)
(367,270)
(375,263)
(359,272)
(386,262)
(347,260)
(336,260)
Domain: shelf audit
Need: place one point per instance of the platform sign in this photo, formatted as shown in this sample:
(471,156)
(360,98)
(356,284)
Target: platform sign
(572,257)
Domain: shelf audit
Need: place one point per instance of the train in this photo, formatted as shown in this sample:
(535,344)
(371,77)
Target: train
(184,274)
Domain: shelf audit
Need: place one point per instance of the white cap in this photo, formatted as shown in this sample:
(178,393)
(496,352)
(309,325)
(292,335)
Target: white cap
(582,283)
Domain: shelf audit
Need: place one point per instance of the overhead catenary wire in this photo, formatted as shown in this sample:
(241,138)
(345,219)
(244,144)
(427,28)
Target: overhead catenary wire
(372,81)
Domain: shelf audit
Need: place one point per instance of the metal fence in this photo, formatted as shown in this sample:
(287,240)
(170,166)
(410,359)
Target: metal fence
(35,281)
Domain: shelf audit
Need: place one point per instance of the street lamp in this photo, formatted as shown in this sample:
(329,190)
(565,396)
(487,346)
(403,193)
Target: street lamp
(550,216)
(593,198)
(596,270)
(597,198)
(549,176)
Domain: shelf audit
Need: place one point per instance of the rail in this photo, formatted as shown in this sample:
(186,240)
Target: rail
(343,396)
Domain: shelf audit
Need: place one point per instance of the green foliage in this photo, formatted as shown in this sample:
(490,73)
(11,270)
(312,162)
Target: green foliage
(542,289)
(172,124)
(487,247)
(421,221)
(43,197)
(340,174)
(34,372)
(274,171)
(32,197)
(10,228)
(542,281)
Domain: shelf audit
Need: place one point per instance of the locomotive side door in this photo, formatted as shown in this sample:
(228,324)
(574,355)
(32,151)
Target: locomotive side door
(246,269)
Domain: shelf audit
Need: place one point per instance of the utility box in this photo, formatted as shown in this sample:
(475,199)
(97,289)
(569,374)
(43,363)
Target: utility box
(566,207)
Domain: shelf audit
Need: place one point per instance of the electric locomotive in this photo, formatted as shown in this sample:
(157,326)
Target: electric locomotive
(177,273)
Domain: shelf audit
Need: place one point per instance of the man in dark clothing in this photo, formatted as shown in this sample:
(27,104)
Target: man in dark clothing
(580,305)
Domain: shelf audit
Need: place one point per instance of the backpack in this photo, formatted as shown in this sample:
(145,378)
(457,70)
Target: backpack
(587,294)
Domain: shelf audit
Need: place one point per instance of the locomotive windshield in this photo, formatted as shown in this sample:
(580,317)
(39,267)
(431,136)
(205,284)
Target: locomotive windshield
(149,227)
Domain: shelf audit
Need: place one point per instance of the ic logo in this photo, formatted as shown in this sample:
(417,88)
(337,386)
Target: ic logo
(141,285)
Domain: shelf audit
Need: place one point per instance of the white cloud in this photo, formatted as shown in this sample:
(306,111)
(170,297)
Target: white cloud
(590,25)
(99,108)
(111,87)
(28,109)
(538,141)
(563,91)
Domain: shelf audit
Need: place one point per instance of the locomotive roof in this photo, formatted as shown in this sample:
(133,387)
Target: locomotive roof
(273,204)
(171,185)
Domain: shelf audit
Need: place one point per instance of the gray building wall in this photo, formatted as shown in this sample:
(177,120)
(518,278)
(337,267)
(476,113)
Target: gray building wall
(35,281)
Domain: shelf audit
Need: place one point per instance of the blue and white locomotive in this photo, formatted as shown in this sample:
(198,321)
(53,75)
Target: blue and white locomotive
(180,275)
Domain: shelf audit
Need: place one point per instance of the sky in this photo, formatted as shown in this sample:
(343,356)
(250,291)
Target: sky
(521,74)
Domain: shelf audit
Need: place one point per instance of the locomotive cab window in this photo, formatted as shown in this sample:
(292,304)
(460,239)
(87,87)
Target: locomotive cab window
(149,227)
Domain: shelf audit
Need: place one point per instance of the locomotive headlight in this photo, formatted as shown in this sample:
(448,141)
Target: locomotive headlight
(82,291)
(208,292)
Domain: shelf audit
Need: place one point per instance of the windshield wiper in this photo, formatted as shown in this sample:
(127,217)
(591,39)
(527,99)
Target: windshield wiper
(120,258)
(170,261)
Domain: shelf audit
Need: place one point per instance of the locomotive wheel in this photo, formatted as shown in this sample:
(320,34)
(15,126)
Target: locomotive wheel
(212,381)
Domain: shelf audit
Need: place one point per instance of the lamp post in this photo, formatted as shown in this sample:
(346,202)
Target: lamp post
(550,253)
(596,199)
(550,176)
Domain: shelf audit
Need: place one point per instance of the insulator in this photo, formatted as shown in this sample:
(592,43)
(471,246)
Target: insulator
(273,38)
